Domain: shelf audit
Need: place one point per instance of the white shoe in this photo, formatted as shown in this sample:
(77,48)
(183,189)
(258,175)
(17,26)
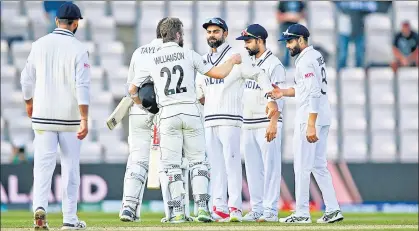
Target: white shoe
(80,225)
(331,217)
(252,216)
(294,219)
(127,215)
(235,215)
(268,216)
(220,215)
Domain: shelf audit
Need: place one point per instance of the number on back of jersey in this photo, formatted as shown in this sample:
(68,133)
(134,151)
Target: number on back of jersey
(175,70)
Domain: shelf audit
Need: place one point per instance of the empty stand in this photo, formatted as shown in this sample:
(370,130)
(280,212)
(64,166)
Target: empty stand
(124,12)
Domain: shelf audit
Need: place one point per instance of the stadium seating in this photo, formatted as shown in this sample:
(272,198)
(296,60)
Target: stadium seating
(20,52)
(6,152)
(124,12)
(10,9)
(91,152)
(151,13)
(104,32)
(39,20)
(405,10)
(409,147)
(117,78)
(8,79)
(4,52)
(111,54)
(378,42)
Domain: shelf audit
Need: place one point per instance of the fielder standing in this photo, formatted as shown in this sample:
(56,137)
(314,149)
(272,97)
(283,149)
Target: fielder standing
(262,136)
(172,70)
(223,121)
(55,84)
(311,127)
(139,138)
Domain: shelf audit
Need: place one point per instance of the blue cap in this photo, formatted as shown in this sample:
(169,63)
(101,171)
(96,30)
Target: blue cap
(295,31)
(217,22)
(254,31)
(69,10)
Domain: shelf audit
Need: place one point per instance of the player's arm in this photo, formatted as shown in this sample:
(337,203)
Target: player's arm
(82,92)
(278,79)
(131,88)
(216,72)
(200,88)
(312,84)
(27,81)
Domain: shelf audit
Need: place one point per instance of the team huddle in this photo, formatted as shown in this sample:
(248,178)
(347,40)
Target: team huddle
(208,109)
(243,100)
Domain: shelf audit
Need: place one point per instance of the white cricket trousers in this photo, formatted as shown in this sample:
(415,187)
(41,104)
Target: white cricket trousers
(139,137)
(181,133)
(311,158)
(223,149)
(46,147)
(263,168)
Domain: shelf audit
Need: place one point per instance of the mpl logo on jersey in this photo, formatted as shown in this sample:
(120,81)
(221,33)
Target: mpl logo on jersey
(308,75)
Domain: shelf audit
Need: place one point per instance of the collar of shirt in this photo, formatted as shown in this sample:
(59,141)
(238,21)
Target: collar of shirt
(262,57)
(169,44)
(63,32)
(157,41)
(219,49)
(302,53)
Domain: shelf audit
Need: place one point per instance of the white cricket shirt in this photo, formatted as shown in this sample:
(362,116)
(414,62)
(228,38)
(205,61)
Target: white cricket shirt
(137,64)
(311,87)
(224,97)
(57,77)
(172,69)
(255,99)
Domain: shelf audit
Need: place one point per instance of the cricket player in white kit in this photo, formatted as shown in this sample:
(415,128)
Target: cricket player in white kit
(139,138)
(262,136)
(223,120)
(55,84)
(312,124)
(172,70)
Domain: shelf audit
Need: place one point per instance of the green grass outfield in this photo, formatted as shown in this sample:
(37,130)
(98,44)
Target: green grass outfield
(18,220)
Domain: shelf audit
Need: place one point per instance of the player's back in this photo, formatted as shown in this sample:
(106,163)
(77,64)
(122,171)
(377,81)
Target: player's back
(58,58)
(173,73)
(310,64)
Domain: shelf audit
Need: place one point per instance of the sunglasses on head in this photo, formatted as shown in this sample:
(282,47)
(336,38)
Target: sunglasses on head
(213,20)
(245,33)
(286,33)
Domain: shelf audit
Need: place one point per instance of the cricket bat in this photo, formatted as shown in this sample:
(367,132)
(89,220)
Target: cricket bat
(153,181)
(119,113)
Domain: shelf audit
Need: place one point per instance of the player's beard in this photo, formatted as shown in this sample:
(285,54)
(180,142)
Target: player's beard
(181,42)
(295,51)
(216,43)
(75,29)
(253,52)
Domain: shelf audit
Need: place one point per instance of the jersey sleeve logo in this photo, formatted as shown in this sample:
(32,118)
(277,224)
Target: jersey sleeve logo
(308,75)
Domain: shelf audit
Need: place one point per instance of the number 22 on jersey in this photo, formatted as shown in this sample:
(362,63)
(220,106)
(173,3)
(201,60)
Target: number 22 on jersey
(176,70)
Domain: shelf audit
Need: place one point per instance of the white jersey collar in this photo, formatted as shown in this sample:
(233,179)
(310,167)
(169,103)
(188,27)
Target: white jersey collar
(307,49)
(262,58)
(219,49)
(169,44)
(63,32)
(156,41)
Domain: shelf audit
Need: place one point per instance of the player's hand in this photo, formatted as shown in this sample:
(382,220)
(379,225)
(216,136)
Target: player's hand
(236,58)
(82,133)
(311,134)
(404,61)
(271,132)
(202,100)
(276,93)
(29,107)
